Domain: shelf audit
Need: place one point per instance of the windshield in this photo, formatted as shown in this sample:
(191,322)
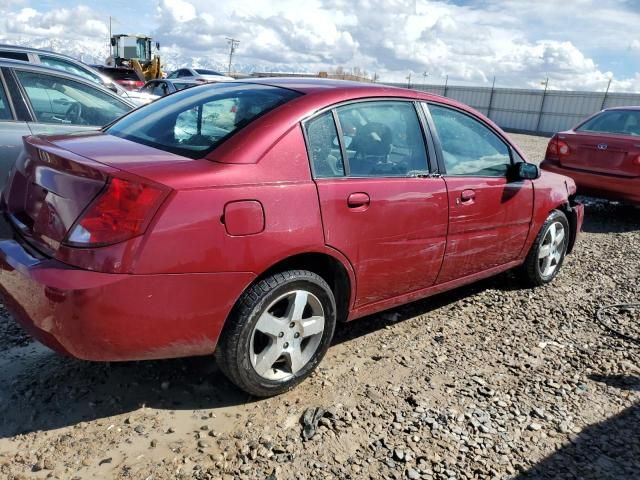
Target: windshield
(195,121)
(624,122)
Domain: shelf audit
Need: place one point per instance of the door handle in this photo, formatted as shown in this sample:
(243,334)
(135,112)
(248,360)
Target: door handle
(467,196)
(357,200)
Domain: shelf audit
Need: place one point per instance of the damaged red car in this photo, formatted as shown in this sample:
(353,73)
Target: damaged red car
(248,218)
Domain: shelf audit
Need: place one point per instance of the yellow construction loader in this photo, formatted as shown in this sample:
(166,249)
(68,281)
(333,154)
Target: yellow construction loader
(134,52)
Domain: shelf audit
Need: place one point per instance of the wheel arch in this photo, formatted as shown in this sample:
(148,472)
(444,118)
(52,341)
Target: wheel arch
(335,271)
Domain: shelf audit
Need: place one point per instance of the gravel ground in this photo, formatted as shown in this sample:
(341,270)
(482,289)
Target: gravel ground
(489,381)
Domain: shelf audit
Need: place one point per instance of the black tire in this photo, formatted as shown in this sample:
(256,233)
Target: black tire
(234,351)
(531,271)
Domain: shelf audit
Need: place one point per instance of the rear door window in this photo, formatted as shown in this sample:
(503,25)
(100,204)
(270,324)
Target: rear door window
(382,139)
(60,100)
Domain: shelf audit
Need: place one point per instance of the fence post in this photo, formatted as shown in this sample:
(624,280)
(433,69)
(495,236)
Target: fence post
(606,92)
(544,95)
(493,88)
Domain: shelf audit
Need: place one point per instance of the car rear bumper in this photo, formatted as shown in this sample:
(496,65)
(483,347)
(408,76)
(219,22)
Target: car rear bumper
(111,317)
(599,185)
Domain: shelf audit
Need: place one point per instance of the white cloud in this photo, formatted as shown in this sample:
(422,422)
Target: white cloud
(519,41)
(76,22)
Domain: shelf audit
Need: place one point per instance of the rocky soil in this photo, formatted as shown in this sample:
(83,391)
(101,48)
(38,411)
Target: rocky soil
(489,381)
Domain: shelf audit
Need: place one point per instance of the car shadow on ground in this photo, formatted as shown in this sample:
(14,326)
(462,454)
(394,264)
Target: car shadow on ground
(609,449)
(507,281)
(602,216)
(45,391)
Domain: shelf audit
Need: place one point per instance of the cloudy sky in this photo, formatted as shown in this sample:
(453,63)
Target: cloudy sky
(578,44)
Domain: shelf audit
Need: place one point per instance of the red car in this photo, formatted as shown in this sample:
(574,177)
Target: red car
(249,217)
(602,155)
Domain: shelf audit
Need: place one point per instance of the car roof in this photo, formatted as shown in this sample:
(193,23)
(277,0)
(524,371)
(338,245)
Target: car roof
(309,85)
(57,72)
(19,48)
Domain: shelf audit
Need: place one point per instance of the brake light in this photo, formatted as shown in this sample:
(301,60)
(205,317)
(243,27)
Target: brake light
(636,161)
(122,211)
(557,147)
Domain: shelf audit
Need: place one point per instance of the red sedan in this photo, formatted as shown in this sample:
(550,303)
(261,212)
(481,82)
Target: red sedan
(602,154)
(249,217)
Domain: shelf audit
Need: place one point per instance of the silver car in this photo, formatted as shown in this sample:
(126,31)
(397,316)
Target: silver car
(199,75)
(70,65)
(41,100)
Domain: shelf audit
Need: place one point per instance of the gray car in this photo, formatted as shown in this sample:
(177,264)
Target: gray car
(42,100)
(70,65)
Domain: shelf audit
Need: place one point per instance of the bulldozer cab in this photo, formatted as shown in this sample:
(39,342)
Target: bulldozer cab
(129,47)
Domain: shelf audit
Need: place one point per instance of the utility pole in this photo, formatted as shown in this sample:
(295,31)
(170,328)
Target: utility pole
(606,92)
(446,83)
(424,81)
(544,95)
(233,43)
(409,80)
(109,41)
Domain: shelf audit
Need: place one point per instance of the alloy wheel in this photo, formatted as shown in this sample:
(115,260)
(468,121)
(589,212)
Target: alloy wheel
(286,335)
(552,249)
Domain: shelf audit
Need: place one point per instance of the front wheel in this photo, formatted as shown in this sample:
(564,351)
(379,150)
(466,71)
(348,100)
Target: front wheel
(548,251)
(278,332)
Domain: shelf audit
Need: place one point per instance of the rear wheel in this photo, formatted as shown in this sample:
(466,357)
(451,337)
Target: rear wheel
(548,251)
(278,332)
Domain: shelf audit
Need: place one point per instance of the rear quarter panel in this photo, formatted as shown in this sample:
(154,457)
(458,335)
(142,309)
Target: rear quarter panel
(190,235)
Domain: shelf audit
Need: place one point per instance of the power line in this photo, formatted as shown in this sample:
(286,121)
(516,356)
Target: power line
(233,43)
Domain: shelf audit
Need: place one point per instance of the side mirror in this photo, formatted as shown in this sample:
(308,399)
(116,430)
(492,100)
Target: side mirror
(113,41)
(527,171)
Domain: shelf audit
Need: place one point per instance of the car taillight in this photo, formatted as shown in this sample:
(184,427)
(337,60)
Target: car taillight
(636,161)
(122,211)
(558,147)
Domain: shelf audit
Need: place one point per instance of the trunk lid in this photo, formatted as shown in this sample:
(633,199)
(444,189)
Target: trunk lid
(57,177)
(48,189)
(603,153)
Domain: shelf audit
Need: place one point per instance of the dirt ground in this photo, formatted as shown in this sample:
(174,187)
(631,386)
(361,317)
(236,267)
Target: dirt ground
(489,381)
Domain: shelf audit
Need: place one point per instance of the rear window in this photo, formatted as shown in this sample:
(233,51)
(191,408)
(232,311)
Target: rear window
(624,122)
(193,122)
(207,72)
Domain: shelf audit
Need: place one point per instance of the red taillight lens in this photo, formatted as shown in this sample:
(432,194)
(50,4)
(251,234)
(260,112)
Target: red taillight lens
(636,161)
(558,147)
(563,148)
(122,211)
